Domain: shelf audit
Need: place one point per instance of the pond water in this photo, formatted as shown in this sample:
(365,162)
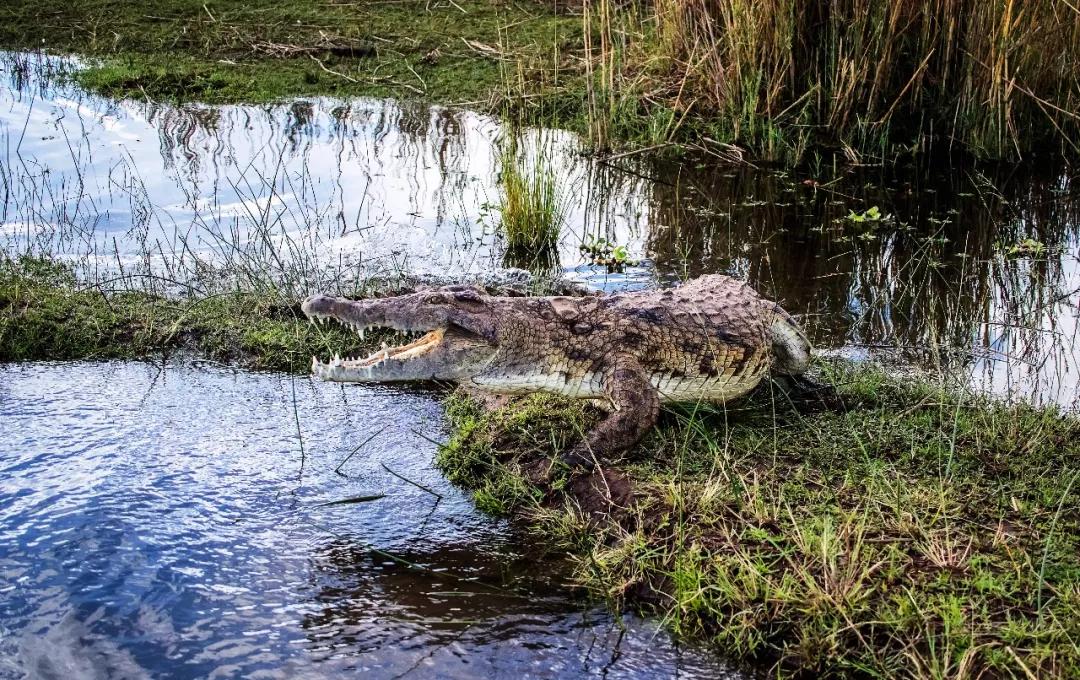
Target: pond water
(156,522)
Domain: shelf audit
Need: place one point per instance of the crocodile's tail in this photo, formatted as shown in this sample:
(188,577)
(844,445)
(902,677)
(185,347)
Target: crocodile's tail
(790,346)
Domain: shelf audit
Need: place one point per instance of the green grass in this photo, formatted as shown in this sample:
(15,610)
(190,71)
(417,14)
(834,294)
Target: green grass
(921,532)
(532,208)
(45,314)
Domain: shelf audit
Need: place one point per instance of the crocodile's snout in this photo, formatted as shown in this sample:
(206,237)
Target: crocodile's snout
(317,304)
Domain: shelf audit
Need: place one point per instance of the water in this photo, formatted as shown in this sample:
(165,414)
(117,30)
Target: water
(157,523)
(373,184)
(154,522)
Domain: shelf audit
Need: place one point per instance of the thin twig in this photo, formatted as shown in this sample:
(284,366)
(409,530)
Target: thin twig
(299,435)
(418,485)
(427,438)
(336,73)
(357,449)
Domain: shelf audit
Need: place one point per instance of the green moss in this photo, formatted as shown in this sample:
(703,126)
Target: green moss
(920,531)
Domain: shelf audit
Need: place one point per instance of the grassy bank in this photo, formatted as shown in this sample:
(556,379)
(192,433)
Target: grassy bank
(872,82)
(918,532)
(262,50)
(46,314)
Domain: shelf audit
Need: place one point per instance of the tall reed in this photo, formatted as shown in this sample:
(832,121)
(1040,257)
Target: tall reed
(997,79)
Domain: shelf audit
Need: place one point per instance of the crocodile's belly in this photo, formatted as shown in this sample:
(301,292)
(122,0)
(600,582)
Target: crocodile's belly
(703,388)
(587,386)
(590,386)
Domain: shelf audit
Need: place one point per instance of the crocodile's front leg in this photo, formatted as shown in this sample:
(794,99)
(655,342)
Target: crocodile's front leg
(637,406)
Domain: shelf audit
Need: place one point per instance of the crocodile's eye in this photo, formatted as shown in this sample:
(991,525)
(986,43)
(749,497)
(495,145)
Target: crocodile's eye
(468,295)
(434,300)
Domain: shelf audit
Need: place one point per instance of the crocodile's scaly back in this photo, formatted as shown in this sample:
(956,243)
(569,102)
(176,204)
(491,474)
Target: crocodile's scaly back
(711,339)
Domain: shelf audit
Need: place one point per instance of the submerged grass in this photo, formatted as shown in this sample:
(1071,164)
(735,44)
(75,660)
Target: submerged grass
(920,532)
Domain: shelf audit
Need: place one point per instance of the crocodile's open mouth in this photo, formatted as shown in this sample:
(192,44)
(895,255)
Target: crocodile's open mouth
(433,347)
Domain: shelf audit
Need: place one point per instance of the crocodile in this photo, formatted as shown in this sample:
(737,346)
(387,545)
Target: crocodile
(710,339)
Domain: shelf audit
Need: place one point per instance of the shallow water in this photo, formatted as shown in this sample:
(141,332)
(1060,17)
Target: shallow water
(155,522)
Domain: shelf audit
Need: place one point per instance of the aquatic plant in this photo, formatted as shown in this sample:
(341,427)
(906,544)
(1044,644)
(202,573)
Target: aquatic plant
(532,209)
(603,252)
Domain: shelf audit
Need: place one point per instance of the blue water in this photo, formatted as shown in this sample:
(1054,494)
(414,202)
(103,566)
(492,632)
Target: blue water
(155,522)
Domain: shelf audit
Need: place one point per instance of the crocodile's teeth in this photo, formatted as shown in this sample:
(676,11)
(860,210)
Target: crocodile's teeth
(314,363)
(361,331)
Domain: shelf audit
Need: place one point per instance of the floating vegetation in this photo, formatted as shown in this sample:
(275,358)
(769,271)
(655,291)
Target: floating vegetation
(1028,247)
(871,215)
(602,252)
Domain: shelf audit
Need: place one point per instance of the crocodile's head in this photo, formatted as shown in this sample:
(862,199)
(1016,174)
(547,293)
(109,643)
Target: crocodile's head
(458,326)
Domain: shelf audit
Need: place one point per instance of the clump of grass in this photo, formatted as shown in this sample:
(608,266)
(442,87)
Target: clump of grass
(920,532)
(532,208)
(46,313)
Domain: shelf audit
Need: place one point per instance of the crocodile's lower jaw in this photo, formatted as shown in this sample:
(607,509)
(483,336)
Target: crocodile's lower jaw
(368,369)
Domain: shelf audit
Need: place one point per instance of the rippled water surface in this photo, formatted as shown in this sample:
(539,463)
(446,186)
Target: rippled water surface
(157,523)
